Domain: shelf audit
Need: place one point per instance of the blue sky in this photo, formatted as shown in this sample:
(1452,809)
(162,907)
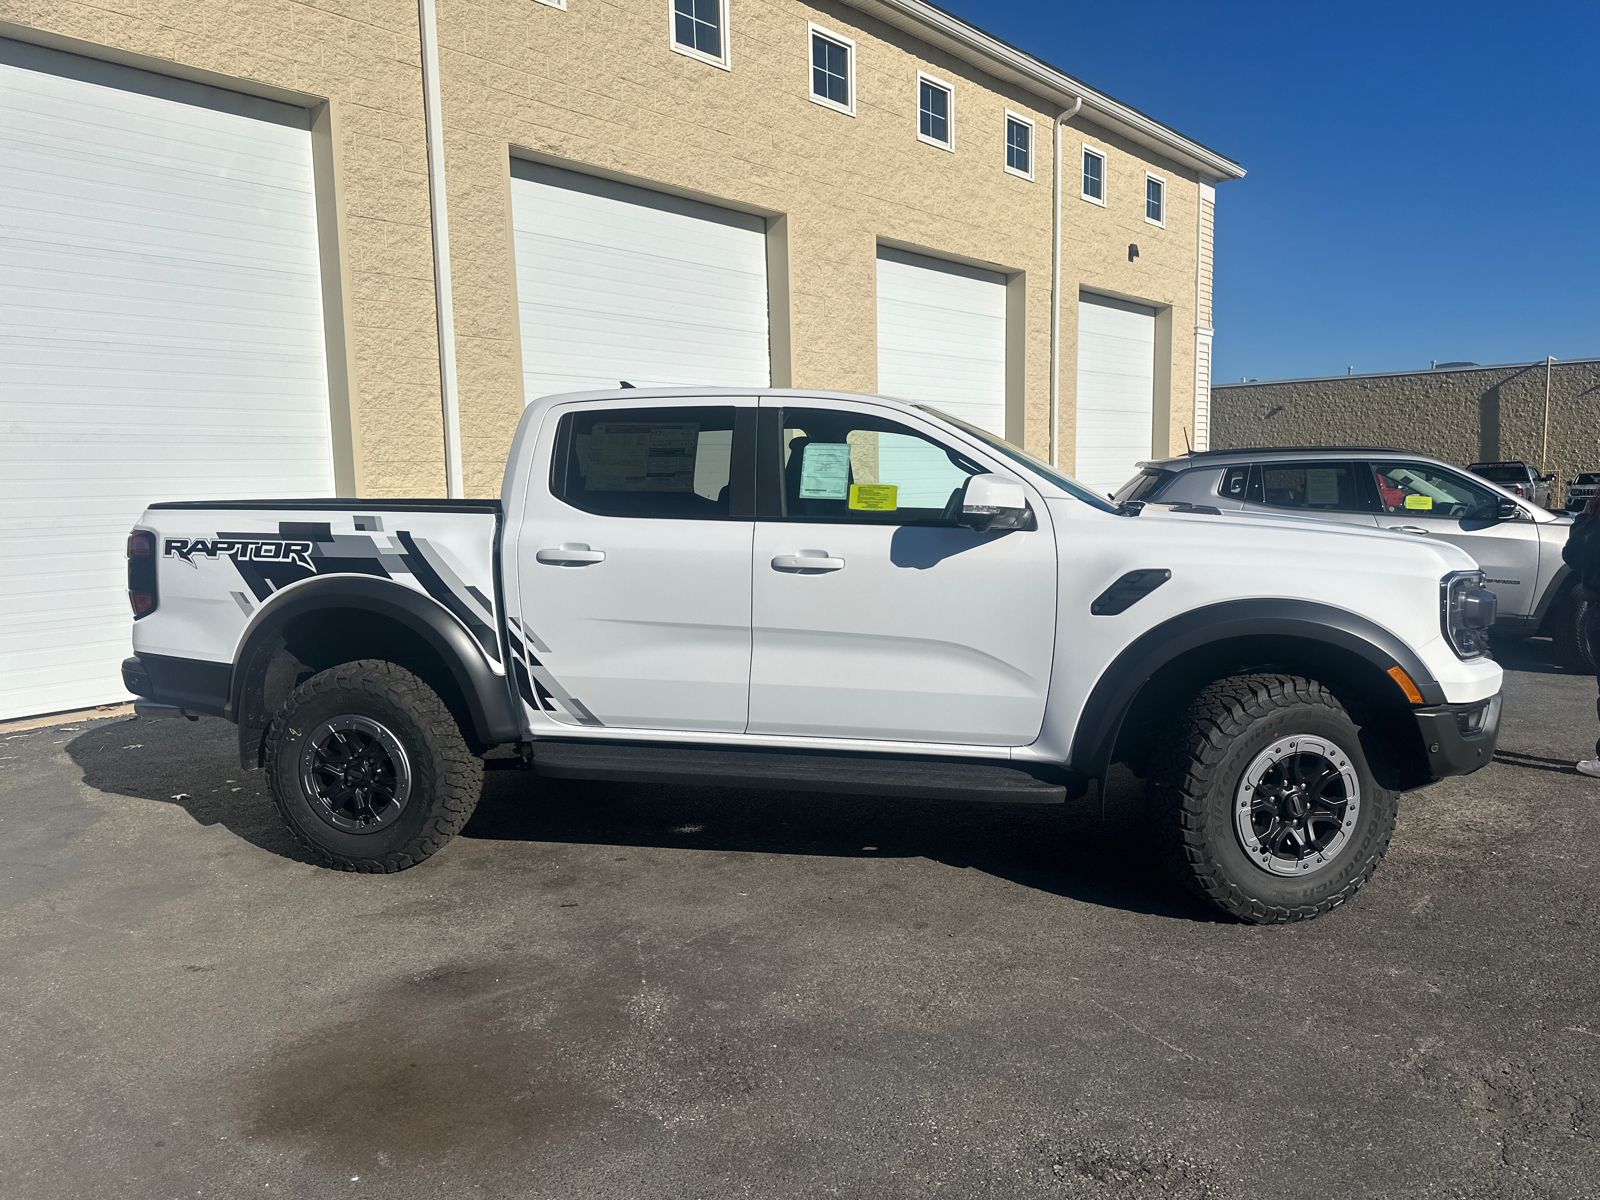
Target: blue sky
(1423,176)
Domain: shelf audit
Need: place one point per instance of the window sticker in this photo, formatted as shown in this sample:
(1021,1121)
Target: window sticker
(626,456)
(1322,485)
(1422,502)
(874,497)
(825,471)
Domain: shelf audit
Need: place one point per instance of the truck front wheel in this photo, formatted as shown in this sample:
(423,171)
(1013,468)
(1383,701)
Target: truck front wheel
(1265,801)
(369,769)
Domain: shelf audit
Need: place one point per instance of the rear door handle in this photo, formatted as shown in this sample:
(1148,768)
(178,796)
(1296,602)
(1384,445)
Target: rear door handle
(1410,529)
(570,554)
(807,560)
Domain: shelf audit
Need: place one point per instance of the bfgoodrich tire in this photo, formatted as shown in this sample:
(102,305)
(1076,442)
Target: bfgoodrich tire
(1569,630)
(1264,800)
(369,769)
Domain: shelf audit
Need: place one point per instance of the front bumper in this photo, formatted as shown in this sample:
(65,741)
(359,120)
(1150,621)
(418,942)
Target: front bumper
(1457,739)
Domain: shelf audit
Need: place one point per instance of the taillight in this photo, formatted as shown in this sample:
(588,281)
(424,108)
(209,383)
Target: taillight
(143,595)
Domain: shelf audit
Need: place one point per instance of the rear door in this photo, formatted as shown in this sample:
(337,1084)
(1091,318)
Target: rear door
(1327,491)
(1429,501)
(875,615)
(633,566)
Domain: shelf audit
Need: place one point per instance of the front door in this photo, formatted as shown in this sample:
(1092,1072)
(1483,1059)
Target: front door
(874,615)
(633,567)
(1429,501)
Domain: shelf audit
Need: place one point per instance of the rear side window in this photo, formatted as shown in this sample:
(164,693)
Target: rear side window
(1234,482)
(1146,484)
(1309,487)
(648,462)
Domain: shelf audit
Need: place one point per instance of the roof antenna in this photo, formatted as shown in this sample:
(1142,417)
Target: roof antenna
(1188,446)
(625,383)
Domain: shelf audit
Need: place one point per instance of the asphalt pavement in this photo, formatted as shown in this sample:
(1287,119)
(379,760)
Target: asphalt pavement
(634,991)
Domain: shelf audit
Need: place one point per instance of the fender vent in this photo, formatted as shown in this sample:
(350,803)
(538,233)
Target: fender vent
(1128,591)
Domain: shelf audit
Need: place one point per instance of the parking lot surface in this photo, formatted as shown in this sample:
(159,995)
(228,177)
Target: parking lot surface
(632,991)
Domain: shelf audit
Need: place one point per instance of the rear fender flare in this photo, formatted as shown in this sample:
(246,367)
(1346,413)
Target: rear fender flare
(1095,739)
(488,696)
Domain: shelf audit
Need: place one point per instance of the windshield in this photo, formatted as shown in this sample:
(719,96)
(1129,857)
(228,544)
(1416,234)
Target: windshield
(1023,459)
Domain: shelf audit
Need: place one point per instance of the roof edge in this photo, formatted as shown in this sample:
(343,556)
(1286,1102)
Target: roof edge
(1513,366)
(1002,59)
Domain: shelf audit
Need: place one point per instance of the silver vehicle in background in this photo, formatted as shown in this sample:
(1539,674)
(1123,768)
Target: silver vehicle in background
(1518,477)
(1517,542)
(1582,489)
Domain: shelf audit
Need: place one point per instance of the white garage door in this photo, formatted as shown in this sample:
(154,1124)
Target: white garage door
(1116,390)
(160,339)
(942,336)
(618,283)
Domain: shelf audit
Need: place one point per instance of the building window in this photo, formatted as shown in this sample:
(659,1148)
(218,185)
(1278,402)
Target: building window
(833,71)
(1155,200)
(699,29)
(1019,145)
(1094,176)
(933,111)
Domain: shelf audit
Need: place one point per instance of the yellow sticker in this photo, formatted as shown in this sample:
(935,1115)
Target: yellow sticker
(1419,501)
(874,497)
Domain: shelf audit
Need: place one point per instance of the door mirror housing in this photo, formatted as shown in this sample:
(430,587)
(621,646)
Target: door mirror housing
(1509,510)
(991,503)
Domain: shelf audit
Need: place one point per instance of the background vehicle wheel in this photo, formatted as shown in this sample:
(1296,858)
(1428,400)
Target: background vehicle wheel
(1265,802)
(369,769)
(1569,630)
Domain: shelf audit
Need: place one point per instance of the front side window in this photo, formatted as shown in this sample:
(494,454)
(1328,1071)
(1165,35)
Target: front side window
(1419,490)
(1019,146)
(933,111)
(831,73)
(852,468)
(697,27)
(1155,200)
(1094,176)
(1309,487)
(647,462)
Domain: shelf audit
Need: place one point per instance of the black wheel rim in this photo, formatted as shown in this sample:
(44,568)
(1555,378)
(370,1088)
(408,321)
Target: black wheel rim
(356,774)
(1296,807)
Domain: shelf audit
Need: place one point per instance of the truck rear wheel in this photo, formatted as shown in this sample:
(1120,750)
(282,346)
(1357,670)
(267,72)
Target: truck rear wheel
(369,769)
(1265,802)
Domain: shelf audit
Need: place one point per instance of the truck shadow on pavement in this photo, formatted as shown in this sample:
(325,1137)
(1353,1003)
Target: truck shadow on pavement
(1068,850)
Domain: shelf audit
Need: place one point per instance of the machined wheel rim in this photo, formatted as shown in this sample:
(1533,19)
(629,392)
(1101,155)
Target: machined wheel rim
(1297,805)
(356,774)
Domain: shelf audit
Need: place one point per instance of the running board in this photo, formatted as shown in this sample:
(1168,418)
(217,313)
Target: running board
(855,774)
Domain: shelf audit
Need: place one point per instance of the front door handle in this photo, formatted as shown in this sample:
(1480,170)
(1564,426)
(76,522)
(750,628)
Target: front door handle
(1410,529)
(807,560)
(570,554)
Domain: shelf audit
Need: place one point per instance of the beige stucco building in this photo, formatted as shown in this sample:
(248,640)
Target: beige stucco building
(605,88)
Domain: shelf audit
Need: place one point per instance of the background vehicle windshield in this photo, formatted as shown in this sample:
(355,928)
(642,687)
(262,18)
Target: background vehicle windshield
(1023,459)
(1145,483)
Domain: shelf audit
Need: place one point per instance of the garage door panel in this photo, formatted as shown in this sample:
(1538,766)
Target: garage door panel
(1116,390)
(161,338)
(942,336)
(615,282)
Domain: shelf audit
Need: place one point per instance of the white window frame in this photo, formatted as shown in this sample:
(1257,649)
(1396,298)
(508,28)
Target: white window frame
(1005,144)
(725,62)
(1145,199)
(1105,181)
(561,4)
(814,31)
(950,111)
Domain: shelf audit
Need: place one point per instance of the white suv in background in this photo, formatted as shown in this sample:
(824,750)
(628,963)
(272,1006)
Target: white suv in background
(1516,541)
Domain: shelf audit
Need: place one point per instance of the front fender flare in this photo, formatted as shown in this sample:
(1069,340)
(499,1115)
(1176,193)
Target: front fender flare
(490,705)
(1100,723)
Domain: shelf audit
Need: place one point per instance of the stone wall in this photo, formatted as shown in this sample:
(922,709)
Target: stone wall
(1476,414)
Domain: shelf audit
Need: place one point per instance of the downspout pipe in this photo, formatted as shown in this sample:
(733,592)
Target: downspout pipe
(444,304)
(1055,284)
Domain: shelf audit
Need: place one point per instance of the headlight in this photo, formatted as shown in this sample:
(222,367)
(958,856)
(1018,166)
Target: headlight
(1466,610)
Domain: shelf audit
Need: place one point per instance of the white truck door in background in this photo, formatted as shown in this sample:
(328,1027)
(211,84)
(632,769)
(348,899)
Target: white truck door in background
(874,615)
(633,577)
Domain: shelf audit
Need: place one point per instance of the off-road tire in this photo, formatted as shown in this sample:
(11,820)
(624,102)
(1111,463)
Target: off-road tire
(1195,777)
(446,778)
(1569,631)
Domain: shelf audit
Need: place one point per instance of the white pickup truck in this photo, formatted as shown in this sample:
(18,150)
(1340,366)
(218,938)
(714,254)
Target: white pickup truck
(816,590)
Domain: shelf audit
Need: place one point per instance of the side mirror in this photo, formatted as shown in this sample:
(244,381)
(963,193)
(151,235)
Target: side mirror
(1546,478)
(993,503)
(1509,510)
